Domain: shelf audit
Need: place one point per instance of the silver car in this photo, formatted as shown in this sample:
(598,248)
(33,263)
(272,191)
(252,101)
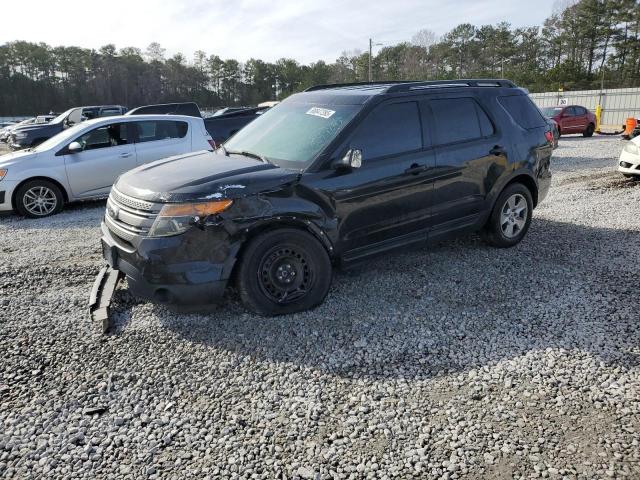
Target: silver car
(83,161)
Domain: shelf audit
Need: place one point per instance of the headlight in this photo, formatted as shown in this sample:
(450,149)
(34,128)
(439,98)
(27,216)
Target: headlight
(632,148)
(3,172)
(176,218)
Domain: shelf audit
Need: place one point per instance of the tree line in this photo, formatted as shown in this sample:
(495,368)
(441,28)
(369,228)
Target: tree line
(578,46)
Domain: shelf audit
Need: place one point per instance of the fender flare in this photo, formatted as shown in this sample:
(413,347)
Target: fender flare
(523,175)
(276,221)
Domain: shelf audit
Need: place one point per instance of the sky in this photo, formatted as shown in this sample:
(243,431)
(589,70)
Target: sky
(266,29)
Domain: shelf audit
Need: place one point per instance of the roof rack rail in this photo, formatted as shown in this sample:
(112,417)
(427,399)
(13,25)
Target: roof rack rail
(488,82)
(354,84)
(408,85)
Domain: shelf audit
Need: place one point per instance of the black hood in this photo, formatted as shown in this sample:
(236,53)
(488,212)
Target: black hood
(202,176)
(49,128)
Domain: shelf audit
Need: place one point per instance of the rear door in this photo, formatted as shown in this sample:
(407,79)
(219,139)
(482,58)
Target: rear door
(107,152)
(570,120)
(581,118)
(468,149)
(157,139)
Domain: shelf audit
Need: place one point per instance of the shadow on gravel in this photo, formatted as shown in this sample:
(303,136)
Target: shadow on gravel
(453,308)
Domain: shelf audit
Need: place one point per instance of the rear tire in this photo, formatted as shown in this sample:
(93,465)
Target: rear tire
(283,271)
(39,199)
(589,131)
(510,217)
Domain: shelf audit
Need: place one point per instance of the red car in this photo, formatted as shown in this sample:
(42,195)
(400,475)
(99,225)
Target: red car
(572,119)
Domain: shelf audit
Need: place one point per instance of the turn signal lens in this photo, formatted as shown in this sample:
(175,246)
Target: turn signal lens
(3,172)
(195,209)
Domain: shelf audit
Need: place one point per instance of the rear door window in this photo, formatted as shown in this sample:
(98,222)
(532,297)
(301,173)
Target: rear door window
(154,130)
(459,120)
(390,129)
(523,111)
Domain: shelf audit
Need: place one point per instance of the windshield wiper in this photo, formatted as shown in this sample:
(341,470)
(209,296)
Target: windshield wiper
(249,154)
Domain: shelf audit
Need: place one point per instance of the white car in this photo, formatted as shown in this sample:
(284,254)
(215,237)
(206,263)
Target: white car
(629,163)
(83,161)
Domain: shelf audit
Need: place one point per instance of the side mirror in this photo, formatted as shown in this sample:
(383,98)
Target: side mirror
(352,159)
(74,147)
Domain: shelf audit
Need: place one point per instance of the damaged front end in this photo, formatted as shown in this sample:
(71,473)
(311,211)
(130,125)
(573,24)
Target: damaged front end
(178,243)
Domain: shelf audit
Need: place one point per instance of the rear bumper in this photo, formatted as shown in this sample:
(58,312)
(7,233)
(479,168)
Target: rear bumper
(163,270)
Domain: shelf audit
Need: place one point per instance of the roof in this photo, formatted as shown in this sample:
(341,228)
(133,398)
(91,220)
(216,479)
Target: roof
(376,88)
(136,118)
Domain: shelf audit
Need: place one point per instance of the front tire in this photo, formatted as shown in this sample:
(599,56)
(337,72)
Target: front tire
(38,199)
(510,217)
(283,271)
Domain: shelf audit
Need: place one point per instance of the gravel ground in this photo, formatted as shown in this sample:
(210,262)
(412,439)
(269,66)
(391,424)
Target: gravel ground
(460,361)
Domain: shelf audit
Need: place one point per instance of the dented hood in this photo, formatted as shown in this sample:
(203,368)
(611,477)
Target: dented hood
(202,176)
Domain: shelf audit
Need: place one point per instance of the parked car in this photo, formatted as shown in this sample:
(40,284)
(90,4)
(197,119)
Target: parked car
(83,161)
(555,131)
(185,108)
(629,163)
(223,126)
(572,119)
(330,177)
(32,135)
(9,126)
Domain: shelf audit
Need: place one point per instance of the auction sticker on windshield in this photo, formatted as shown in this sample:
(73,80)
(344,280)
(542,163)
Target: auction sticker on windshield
(320,112)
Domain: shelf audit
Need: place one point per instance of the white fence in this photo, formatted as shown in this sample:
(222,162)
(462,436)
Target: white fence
(617,104)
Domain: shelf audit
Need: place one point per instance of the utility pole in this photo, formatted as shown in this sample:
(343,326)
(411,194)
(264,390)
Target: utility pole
(370,59)
(371,45)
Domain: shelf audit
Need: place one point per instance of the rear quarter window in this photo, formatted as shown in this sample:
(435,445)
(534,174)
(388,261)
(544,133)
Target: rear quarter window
(523,111)
(459,120)
(152,130)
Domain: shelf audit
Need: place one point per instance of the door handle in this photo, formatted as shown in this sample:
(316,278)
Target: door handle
(125,155)
(497,150)
(415,169)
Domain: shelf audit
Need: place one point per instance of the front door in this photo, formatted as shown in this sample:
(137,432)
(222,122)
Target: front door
(107,152)
(386,202)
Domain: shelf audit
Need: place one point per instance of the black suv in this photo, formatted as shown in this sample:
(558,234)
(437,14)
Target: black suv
(330,177)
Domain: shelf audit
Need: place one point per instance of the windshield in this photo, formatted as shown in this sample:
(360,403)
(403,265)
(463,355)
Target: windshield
(551,111)
(62,116)
(292,134)
(61,137)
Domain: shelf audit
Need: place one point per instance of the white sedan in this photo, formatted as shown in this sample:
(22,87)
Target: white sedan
(83,161)
(629,164)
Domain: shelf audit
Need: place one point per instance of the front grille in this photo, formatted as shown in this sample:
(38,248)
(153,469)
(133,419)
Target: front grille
(129,201)
(129,218)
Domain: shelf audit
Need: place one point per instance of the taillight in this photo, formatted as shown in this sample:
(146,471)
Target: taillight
(212,142)
(549,136)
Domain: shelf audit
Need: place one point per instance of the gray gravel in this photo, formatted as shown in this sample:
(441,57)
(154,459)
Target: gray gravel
(460,361)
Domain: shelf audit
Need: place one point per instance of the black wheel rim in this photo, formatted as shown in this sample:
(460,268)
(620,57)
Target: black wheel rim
(285,274)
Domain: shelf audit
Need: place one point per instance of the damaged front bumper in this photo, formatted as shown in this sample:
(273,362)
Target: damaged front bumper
(188,269)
